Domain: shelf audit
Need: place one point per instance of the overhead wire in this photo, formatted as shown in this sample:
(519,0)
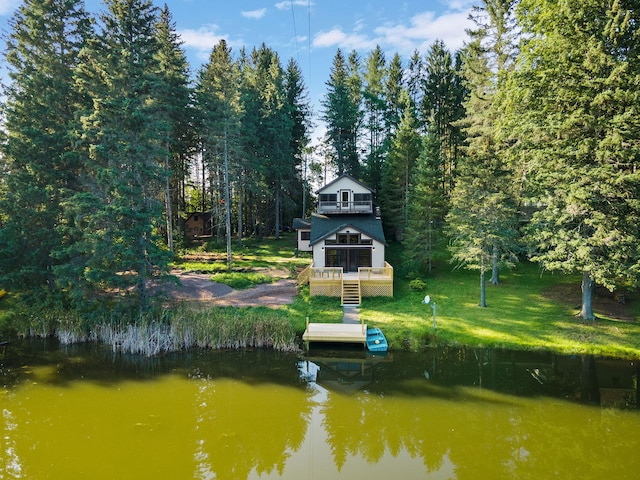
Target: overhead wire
(295,32)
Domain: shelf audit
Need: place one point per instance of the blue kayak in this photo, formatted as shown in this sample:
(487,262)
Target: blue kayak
(376,341)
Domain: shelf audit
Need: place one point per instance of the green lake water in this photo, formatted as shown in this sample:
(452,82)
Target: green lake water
(86,413)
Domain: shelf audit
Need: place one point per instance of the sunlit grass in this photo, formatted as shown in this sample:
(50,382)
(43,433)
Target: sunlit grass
(518,315)
(242,280)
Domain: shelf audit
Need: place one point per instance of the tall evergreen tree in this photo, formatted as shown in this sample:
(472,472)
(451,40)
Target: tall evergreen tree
(120,211)
(393,91)
(375,107)
(441,108)
(574,102)
(483,219)
(300,115)
(40,166)
(174,103)
(218,97)
(426,206)
(342,116)
(398,171)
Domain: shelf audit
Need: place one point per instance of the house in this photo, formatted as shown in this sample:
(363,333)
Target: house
(198,224)
(302,226)
(347,243)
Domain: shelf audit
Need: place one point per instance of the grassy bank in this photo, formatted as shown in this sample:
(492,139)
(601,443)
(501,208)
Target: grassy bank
(526,311)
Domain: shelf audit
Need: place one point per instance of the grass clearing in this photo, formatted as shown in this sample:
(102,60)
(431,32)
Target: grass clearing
(521,314)
(242,280)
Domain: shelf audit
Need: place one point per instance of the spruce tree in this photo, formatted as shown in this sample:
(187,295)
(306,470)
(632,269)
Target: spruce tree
(218,98)
(41,168)
(342,116)
(374,113)
(483,219)
(174,104)
(573,105)
(399,170)
(120,211)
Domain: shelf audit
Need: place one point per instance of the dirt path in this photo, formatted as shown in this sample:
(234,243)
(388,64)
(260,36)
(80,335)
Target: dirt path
(198,287)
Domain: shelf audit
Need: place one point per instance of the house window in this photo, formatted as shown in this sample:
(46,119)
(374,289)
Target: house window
(305,235)
(348,238)
(362,198)
(328,197)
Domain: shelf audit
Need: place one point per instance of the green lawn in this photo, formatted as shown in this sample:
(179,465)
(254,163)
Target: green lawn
(521,314)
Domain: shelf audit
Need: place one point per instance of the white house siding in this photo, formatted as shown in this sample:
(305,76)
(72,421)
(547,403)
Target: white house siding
(303,245)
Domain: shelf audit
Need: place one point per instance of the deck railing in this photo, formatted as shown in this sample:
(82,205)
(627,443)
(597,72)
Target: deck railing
(372,273)
(374,281)
(364,206)
(303,276)
(325,273)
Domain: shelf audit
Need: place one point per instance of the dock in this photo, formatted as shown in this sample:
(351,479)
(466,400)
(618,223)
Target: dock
(335,332)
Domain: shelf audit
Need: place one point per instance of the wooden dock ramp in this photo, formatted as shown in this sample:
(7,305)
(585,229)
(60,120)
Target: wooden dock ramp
(335,332)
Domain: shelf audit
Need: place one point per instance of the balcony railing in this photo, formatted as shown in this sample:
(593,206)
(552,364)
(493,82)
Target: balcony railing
(365,206)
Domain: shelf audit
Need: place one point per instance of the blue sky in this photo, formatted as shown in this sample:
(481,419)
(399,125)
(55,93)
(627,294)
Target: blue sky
(309,31)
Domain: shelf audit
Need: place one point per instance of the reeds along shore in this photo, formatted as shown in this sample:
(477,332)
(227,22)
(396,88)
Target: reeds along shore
(218,328)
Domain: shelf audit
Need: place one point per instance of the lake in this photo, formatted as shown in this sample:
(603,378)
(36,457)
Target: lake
(84,412)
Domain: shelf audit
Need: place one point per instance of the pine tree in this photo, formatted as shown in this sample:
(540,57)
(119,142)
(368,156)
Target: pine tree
(375,106)
(174,103)
(41,168)
(300,115)
(219,106)
(342,116)
(393,91)
(573,105)
(398,172)
(483,219)
(119,212)
(427,206)
(441,108)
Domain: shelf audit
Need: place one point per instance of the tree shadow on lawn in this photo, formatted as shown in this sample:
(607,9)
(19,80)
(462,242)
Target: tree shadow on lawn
(605,303)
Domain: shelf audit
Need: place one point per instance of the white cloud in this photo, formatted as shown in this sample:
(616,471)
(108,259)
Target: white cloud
(8,6)
(204,39)
(421,31)
(255,14)
(336,37)
(286,5)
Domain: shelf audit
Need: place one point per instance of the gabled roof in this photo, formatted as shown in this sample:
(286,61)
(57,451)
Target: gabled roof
(344,175)
(322,226)
(301,223)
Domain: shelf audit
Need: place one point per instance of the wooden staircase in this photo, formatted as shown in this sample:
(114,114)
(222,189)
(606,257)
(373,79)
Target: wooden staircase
(351,294)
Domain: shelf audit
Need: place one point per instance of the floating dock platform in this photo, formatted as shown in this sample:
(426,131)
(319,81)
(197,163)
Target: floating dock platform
(335,332)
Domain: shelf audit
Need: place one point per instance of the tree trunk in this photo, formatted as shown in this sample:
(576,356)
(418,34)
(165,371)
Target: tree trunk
(168,202)
(483,293)
(586,312)
(495,267)
(227,200)
(277,207)
(240,213)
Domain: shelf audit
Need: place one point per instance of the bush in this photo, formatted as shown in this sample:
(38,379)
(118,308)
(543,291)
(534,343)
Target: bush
(417,284)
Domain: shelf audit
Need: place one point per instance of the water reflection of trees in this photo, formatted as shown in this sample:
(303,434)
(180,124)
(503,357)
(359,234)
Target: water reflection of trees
(243,428)
(456,407)
(469,411)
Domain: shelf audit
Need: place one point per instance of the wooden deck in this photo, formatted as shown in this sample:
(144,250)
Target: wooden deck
(335,332)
